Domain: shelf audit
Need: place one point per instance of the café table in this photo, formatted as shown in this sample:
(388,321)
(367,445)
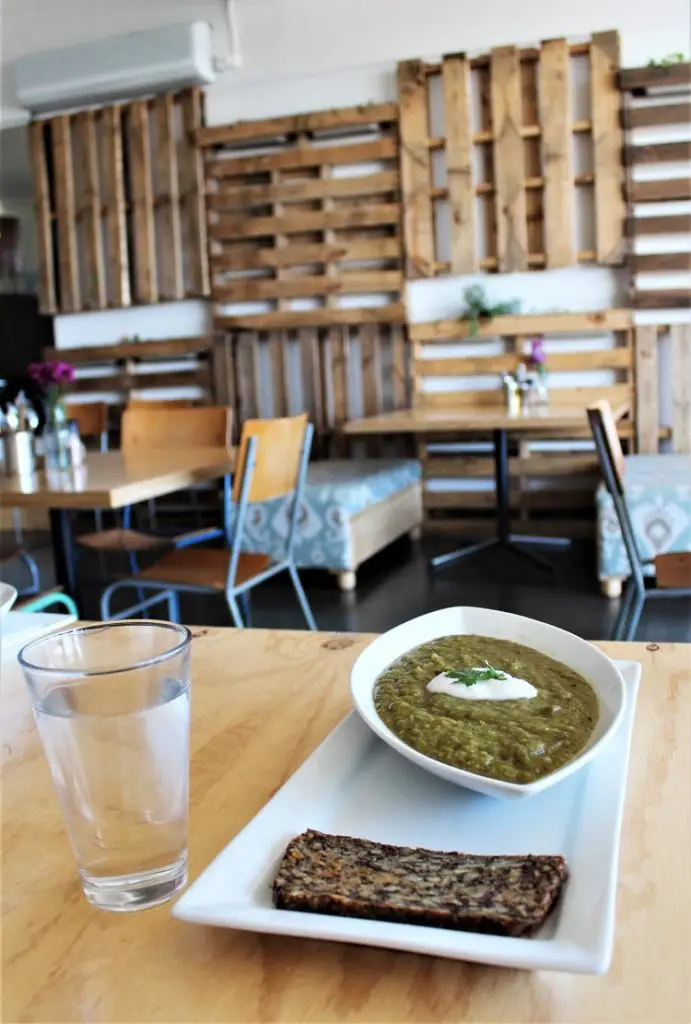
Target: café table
(455,423)
(108,480)
(261,702)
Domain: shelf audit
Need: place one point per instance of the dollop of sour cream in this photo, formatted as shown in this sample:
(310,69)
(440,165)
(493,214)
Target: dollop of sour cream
(506,688)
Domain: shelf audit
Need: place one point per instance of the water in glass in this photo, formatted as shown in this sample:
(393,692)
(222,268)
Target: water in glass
(117,744)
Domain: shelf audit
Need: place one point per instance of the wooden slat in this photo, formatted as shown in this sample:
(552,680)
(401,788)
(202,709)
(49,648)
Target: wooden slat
(223,371)
(658,261)
(668,298)
(610,207)
(114,196)
(46,263)
(321,120)
(279,381)
(296,191)
(660,191)
(535,465)
(554,91)
(65,214)
(665,77)
(615,394)
(254,256)
(141,189)
(95,275)
(542,499)
(353,283)
(339,358)
(658,153)
(247,374)
(601,359)
(371,370)
(170,348)
(647,389)
(681,388)
(304,222)
(192,185)
(514,326)
(651,117)
(510,202)
(308,156)
(459,169)
(416,173)
(399,368)
(169,235)
(677,223)
(312,383)
(392,313)
(199,376)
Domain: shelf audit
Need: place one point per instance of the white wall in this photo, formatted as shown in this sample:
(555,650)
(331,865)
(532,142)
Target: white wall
(310,54)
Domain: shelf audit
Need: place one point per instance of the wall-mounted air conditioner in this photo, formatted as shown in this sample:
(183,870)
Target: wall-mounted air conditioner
(111,69)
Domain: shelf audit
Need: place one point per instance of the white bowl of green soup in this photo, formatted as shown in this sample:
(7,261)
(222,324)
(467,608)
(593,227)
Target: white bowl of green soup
(497,703)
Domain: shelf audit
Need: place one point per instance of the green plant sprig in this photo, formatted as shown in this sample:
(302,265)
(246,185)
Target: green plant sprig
(470,676)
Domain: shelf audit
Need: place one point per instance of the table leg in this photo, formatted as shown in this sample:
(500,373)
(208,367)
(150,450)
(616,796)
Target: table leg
(502,484)
(63,551)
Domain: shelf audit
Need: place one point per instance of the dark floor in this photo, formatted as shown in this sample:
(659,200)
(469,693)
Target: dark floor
(396,585)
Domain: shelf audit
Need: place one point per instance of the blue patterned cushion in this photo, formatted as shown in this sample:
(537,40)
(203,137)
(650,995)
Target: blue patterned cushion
(335,491)
(658,496)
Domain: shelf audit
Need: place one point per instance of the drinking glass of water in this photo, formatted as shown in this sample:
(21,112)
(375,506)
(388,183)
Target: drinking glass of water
(111,703)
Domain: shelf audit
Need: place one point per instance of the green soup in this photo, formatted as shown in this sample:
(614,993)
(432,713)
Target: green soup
(512,740)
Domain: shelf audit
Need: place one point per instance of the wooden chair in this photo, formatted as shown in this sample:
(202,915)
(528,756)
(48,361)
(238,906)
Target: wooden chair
(672,570)
(150,429)
(272,463)
(92,420)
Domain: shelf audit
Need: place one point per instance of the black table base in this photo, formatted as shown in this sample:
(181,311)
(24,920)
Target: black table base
(504,539)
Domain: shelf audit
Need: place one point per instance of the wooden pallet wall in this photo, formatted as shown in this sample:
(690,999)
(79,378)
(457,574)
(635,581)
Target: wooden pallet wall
(656,116)
(304,219)
(335,373)
(550,483)
(649,429)
(494,185)
(116,372)
(120,204)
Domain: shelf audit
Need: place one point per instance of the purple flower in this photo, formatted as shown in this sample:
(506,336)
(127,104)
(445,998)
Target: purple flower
(52,375)
(537,356)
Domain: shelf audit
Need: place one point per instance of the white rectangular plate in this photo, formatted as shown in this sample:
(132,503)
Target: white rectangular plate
(354,784)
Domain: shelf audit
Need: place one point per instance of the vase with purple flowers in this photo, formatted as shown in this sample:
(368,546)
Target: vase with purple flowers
(54,379)
(537,370)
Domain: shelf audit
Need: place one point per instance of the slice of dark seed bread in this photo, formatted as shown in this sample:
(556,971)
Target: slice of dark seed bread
(499,895)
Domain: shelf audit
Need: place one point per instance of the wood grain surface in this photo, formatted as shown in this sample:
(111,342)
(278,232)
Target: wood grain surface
(472,420)
(262,701)
(112,480)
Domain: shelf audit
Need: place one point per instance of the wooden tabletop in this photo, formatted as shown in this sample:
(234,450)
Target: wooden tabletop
(261,702)
(112,480)
(465,420)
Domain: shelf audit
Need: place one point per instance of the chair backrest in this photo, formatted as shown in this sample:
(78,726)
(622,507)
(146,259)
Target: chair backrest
(611,459)
(163,403)
(277,453)
(206,427)
(90,417)
(602,413)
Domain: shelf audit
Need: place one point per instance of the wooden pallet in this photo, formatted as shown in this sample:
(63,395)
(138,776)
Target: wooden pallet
(520,212)
(127,368)
(657,98)
(303,219)
(334,374)
(119,204)
(548,482)
(647,415)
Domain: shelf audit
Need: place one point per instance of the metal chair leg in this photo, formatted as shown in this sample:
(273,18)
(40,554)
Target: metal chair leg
(234,609)
(35,586)
(246,607)
(635,617)
(302,597)
(630,599)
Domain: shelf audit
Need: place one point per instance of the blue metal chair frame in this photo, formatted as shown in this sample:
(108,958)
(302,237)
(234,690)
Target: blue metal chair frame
(234,534)
(636,592)
(24,557)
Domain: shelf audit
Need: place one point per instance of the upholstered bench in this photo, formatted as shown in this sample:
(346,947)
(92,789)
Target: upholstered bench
(351,509)
(658,495)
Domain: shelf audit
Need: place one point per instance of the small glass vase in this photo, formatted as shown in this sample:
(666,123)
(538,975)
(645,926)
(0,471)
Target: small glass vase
(56,436)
